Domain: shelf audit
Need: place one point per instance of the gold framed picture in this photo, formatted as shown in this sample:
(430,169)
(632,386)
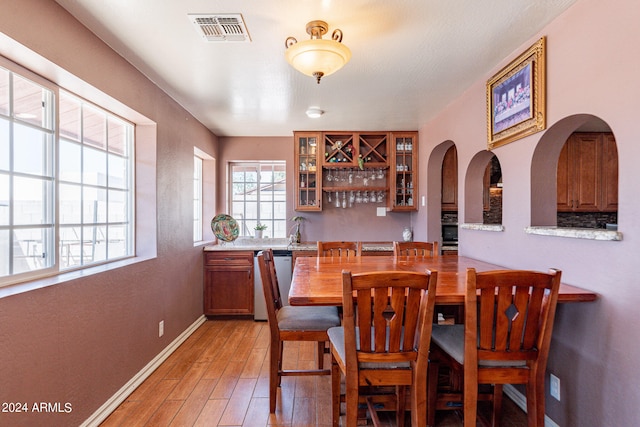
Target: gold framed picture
(516,98)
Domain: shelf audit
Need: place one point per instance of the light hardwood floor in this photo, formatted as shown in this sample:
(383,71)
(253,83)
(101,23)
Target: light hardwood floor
(219,377)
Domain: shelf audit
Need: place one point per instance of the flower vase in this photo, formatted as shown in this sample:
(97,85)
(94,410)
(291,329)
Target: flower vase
(259,234)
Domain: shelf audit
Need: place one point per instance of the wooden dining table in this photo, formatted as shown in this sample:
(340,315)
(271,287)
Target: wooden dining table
(318,280)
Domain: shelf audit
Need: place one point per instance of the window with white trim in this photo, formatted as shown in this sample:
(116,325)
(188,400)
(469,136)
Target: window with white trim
(66,191)
(258,195)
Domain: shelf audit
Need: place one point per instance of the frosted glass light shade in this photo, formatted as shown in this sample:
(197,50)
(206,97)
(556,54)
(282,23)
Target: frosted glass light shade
(318,57)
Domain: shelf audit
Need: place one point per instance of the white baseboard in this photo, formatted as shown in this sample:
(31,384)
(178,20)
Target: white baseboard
(110,405)
(521,400)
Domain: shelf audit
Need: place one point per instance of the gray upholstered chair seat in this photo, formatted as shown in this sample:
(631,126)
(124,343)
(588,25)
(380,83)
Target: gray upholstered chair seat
(292,318)
(336,337)
(450,338)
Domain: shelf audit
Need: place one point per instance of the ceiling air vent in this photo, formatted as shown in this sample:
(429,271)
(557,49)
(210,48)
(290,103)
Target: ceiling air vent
(228,27)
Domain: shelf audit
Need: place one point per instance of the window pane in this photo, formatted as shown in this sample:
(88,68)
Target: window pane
(4,93)
(4,144)
(94,202)
(29,101)
(29,201)
(69,116)
(95,166)
(117,241)
(118,136)
(4,199)
(94,244)
(70,197)
(70,246)
(29,249)
(31,151)
(117,172)
(118,206)
(4,253)
(70,161)
(94,127)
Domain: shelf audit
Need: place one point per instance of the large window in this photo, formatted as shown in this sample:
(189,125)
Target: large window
(65,181)
(258,195)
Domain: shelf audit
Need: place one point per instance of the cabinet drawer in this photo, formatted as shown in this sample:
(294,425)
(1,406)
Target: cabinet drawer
(228,259)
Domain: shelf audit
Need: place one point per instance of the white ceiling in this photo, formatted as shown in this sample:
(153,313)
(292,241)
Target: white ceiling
(410,58)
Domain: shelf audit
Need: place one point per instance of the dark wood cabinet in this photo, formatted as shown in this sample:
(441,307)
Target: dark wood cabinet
(228,283)
(450,180)
(587,176)
(404,168)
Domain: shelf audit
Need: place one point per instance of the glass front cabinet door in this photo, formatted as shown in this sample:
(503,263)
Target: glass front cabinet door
(404,178)
(308,171)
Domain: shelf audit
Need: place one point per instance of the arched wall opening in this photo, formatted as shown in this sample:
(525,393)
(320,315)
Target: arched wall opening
(544,165)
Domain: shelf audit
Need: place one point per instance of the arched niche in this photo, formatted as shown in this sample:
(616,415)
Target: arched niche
(434,189)
(476,187)
(544,165)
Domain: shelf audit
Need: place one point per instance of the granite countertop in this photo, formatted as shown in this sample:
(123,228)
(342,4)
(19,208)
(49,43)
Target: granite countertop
(252,244)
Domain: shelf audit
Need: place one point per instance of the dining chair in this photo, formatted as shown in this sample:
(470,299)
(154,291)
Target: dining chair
(415,249)
(384,341)
(339,249)
(291,323)
(505,339)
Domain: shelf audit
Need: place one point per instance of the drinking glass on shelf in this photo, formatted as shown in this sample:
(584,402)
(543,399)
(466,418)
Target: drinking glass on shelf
(380,196)
(381,173)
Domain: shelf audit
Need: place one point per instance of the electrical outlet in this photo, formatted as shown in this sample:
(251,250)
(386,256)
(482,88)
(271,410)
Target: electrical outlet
(161,328)
(554,387)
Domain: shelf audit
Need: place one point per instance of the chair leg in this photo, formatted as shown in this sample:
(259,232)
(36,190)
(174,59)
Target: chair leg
(321,345)
(497,405)
(274,374)
(535,404)
(400,405)
(352,396)
(335,392)
(470,399)
(432,392)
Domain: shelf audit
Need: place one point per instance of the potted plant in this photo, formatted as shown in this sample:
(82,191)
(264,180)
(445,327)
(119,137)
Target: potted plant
(259,229)
(298,220)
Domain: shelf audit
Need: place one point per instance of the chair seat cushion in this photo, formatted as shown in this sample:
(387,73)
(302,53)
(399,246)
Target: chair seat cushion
(336,338)
(450,338)
(291,318)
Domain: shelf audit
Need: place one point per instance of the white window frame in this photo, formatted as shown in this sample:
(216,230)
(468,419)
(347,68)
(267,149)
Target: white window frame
(276,220)
(197,197)
(51,245)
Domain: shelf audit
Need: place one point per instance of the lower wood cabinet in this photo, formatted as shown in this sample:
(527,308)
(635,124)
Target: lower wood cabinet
(228,283)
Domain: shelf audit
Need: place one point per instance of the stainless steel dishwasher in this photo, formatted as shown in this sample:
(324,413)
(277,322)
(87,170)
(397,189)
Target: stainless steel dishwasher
(282,260)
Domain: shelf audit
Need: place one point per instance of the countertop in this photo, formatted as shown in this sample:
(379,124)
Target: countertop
(252,244)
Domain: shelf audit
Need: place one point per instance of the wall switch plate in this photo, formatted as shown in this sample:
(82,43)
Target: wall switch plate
(161,328)
(381,211)
(554,387)
(423,201)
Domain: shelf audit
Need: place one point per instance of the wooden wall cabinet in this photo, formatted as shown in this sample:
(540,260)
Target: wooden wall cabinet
(587,177)
(324,159)
(228,283)
(450,180)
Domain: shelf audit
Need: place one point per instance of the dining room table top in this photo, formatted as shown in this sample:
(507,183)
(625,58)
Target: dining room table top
(318,280)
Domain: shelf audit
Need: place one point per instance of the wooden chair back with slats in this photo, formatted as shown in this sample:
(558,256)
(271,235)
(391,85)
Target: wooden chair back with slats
(408,250)
(509,317)
(387,329)
(339,249)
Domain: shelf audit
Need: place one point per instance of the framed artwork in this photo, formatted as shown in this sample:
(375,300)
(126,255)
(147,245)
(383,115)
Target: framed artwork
(516,98)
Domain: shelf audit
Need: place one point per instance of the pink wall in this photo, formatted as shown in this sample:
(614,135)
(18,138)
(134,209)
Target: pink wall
(591,69)
(357,223)
(80,341)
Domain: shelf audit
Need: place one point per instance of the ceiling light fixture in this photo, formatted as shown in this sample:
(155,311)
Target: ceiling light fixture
(317,57)
(314,112)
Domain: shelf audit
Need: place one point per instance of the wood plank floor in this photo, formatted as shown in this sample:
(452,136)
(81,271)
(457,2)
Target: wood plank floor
(219,377)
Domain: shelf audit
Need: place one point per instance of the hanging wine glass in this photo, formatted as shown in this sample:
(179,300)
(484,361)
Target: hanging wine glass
(358,197)
(329,200)
(365,197)
(337,200)
(344,200)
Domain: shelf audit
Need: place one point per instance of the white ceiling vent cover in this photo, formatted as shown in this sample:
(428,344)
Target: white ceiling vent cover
(225,27)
